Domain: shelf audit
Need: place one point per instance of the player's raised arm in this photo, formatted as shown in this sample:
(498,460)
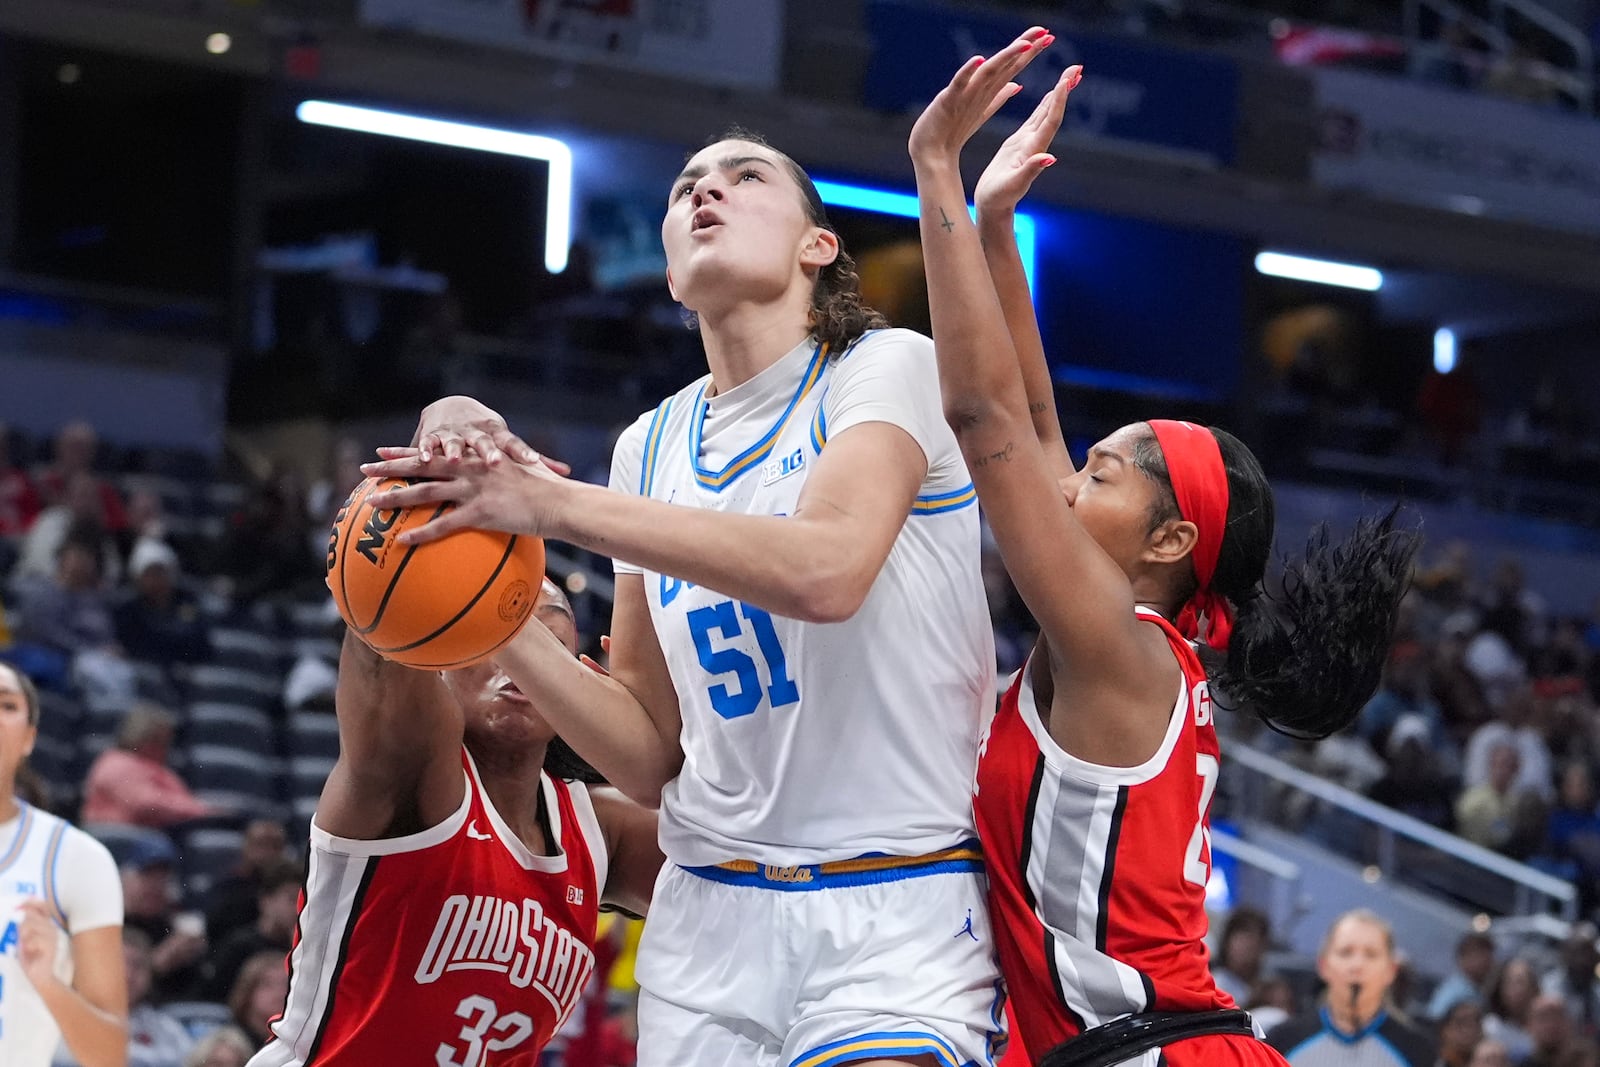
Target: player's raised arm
(1007,178)
(399,766)
(1078,594)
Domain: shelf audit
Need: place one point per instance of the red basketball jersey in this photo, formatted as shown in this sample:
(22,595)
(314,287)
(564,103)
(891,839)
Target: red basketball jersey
(456,946)
(1097,875)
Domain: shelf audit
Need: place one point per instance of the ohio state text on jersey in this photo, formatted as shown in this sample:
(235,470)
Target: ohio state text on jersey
(456,946)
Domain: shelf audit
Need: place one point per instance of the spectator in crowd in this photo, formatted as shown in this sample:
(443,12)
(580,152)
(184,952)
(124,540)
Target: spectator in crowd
(1509,1002)
(226,1046)
(1572,835)
(1415,782)
(1575,981)
(1460,1032)
(81,512)
(1549,1030)
(70,612)
(147,518)
(155,1039)
(267,550)
(1487,814)
(1490,1053)
(150,906)
(258,995)
(75,449)
(1271,1001)
(1402,692)
(131,783)
(273,931)
(233,899)
(1356,1022)
(1474,963)
(1237,966)
(157,621)
(19,500)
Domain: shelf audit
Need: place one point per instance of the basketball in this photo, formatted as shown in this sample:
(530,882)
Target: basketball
(447,604)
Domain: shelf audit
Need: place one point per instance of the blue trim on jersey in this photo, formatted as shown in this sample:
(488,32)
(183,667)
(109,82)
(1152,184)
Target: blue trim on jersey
(52,852)
(939,503)
(652,447)
(819,425)
(815,879)
(1360,1035)
(24,825)
(887,1044)
(997,1032)
(750,457)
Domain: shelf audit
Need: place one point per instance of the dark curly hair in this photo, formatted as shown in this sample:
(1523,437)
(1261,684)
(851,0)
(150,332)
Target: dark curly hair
(838,315)
(1306,657)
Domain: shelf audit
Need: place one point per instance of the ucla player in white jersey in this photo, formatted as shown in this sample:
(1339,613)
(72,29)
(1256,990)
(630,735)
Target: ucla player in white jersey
(61,973)
(801,650)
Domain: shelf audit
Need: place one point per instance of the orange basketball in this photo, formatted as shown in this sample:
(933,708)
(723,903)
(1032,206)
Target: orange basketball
(446,604)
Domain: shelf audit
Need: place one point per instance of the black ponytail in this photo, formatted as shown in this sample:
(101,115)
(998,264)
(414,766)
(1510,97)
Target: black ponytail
(1305,657)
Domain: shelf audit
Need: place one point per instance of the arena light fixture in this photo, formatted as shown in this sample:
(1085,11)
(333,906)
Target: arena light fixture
(904,205)
(1444,350)
(558,203)
(1321,271)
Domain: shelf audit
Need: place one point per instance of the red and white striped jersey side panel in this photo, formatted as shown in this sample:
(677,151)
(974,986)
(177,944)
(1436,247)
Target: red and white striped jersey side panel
(1097,874)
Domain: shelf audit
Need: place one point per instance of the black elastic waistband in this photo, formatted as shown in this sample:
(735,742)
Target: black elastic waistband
(1133,1035)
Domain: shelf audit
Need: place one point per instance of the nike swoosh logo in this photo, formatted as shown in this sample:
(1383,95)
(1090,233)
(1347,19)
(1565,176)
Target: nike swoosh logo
(472,832)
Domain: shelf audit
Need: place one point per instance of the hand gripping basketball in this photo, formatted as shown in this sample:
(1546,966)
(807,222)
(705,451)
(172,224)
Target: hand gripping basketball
(450,603)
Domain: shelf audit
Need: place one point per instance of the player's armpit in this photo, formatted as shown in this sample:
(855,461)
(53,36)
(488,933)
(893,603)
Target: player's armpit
(634,849)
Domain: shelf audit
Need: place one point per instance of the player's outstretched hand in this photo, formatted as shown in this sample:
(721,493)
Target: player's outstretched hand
(1025,154)
(519,498)
(458,426)
(977,91)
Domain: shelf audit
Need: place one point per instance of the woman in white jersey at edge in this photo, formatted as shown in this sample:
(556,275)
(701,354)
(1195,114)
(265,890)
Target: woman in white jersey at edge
(61,975)
(798,601)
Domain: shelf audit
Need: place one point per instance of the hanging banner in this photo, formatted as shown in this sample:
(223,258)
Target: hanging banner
(1133,90)
(1460,151)
(733,43)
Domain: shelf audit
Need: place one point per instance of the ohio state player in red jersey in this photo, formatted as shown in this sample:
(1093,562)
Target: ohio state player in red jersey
(455,873)
(1095,779)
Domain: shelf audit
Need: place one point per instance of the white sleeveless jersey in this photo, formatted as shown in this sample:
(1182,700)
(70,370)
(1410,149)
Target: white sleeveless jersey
(807,742)
(44,858)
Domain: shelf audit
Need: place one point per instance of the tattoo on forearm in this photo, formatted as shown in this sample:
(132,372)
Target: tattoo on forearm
(947,224)
(1002,456)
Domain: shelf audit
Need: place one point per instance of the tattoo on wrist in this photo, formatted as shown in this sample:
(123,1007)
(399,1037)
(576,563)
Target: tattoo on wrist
(1002,456)
(946,223)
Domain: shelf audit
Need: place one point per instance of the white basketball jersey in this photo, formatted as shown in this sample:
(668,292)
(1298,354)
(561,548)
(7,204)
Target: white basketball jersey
(44,858)
(807,742)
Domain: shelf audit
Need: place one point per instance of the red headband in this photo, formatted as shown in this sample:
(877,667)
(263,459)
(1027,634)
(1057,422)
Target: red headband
(1200,484)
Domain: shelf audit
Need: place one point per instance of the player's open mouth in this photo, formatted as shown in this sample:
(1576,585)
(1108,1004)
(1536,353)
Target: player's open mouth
(704,219)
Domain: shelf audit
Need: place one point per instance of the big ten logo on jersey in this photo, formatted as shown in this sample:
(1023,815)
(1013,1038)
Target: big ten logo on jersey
(780,469)
(484,933)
